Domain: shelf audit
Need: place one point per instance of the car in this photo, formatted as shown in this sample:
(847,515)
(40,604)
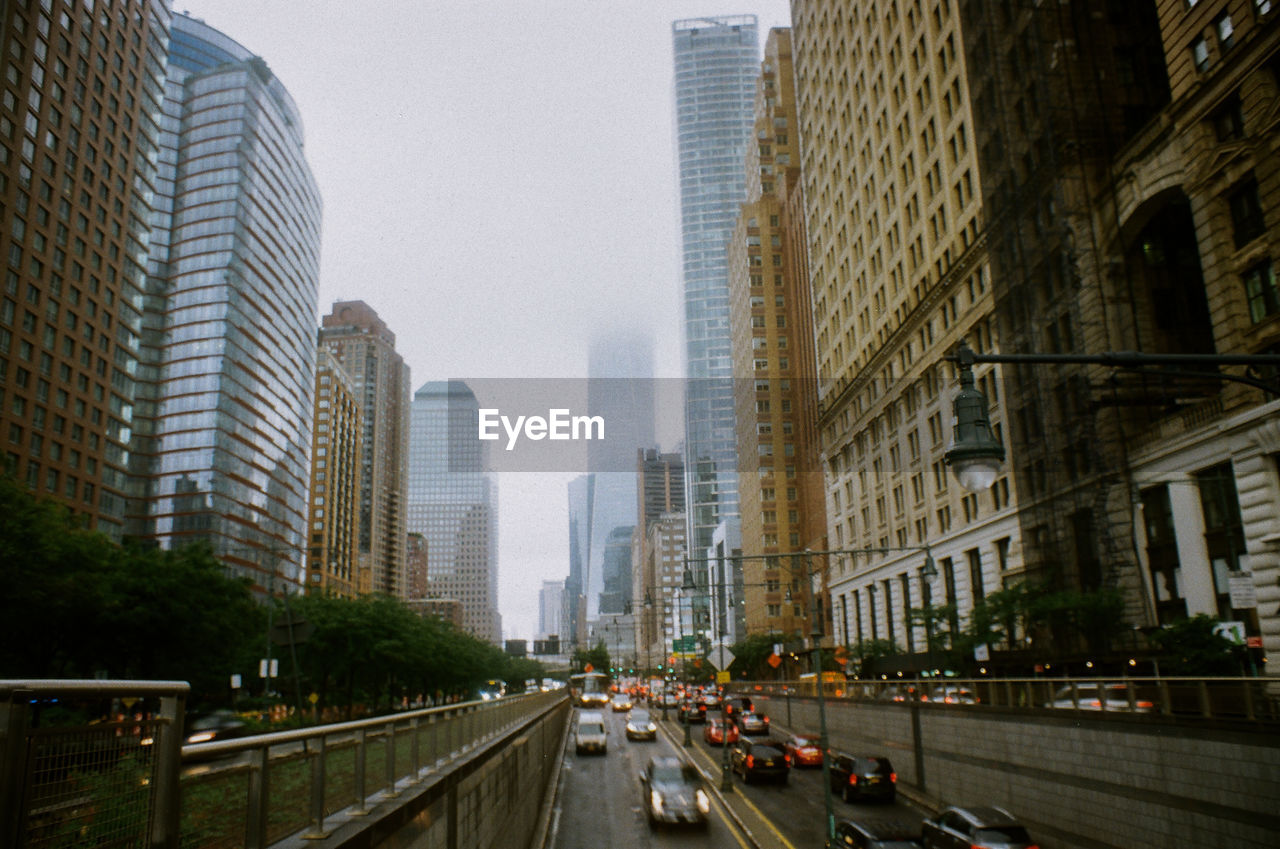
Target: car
(218,725)
(951,694)
(804,749)
(590,734)
(621,703)
(672,793)
(640,725)
(733,705)
(759,759)
(1086,697)
(878,834)
(862,777)
(975,828)
(669,699)
(692,711)
(711,700)
(714,732)
(750,722)
(902,693)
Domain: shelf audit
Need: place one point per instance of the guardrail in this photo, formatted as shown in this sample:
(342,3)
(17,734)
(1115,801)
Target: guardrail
(112,782)
(130,783)
(1249,700)
(264,788)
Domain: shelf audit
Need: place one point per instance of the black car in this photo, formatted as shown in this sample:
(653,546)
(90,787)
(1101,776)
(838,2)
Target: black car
(878,834)
(975,828)
(693,710)
(760,759)
(734,705)
(673,793)
(859,777)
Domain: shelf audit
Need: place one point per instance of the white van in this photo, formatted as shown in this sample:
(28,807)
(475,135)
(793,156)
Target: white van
(590,734)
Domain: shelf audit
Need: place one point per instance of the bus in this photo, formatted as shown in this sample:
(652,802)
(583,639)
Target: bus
(834,685)
(493,689)
(589,689)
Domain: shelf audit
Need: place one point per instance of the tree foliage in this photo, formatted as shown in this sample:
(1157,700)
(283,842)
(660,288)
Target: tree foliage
(1193,647)
(76,605)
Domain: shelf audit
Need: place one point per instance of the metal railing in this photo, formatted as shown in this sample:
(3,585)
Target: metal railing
(127,781)
(258,790)
(112,781)
(1250,700)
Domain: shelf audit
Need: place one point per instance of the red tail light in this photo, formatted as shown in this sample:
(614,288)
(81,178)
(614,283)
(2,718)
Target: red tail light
(853,780)
(751,761)
(893,778)
(787,758)
(1144,705)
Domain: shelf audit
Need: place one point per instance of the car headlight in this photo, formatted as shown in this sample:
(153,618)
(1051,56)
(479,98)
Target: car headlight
(704,803)
(651,727)
(201,737)
(655,800)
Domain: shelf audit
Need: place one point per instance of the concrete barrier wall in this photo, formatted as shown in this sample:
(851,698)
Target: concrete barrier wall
(1077,781)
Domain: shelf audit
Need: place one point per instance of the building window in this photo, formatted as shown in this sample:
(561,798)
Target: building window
(1246,212)
(1200,54)
(975,575)
(1162,555)
(1260,288)
(1226,32)
(1228,120)
(1223,529)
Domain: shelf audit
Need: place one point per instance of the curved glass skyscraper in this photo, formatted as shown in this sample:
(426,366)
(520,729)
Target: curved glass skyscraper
(223,424)
(716,64)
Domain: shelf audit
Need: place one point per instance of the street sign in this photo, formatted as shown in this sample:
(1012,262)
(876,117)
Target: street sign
(720,656)
(774,660)
(982,653)
(684,645)
(1233,631)
(235,681)
(1241,588)
(722,677)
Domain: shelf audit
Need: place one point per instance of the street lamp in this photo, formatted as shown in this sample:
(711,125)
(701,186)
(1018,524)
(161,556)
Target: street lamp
(976,455)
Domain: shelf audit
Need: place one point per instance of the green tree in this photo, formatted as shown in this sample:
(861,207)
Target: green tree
(751,656)
(1192,647)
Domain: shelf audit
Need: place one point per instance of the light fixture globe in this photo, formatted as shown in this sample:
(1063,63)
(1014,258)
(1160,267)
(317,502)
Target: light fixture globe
(975,455)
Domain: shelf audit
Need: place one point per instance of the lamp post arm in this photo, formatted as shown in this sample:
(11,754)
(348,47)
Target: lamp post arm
(966,357)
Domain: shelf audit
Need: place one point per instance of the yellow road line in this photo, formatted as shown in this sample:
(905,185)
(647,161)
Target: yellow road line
(742,796)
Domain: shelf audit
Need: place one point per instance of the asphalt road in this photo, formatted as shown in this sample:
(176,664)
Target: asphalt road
(599,802)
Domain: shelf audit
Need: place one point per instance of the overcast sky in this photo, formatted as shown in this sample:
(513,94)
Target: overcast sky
(499,183)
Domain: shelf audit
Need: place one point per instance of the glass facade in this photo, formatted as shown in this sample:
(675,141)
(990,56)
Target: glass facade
(452,503)
(716,64)
(223,427)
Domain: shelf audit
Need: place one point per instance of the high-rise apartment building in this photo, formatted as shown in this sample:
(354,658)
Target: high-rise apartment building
(780,483)
(332,564)
(665,613)
(716,64)
(899,275)
(81,98)
(358,339)
(222,430)
(453,504)
(659,485)
(416,566)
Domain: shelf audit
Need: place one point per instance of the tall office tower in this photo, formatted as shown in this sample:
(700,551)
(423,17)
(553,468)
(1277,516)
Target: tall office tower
(77,153)
(453,504)
(660,485)
(574,610)
(620,391)
(1153,201)
(416,566)
(615,598)
(665,613)
(550,601)
(332,565)
(780,481)
(716,64)
(223,426)
(358,339)
(898,273)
